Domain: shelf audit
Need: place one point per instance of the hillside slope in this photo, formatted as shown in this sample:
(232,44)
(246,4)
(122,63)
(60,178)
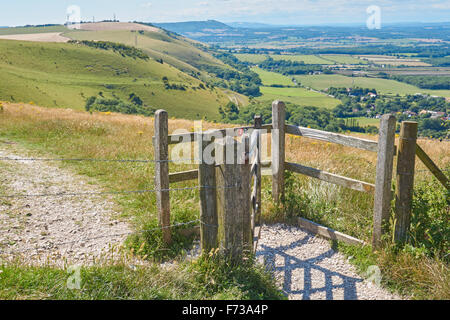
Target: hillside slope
(64,75)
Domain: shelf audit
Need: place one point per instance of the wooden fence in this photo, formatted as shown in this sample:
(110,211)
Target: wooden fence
(230,210)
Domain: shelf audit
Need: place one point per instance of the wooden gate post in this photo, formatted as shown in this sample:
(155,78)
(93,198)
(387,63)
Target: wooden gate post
(162,173)
(233,200)
(383,184)
(278,149)
(208,209)
(406,162)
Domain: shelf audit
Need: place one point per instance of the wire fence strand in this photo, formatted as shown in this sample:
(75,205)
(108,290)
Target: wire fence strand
(91,160)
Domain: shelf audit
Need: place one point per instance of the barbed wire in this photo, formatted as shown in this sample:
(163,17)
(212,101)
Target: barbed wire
(62,194)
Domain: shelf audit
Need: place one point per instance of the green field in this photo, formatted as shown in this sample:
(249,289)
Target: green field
(31,30)
(64,75)
(272,78)
(252,58)
(383,86)
(177,51)
(343,59)
(298,96)
(363,121)
(295,95)
(308,59)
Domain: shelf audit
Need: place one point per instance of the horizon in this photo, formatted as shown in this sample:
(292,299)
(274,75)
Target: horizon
(294,13)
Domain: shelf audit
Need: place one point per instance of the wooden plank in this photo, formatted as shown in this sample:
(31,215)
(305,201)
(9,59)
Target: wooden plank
(406,161)
(208,206)
(278,149)
(432,167)
(328,233)
(191,136)
(333,138)
(244,196)
(233,200)
(383,191)
(331,178)
(162,173)
(183,176)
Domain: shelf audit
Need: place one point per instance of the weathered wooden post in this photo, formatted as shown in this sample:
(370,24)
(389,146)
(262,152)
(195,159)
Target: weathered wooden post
(255,152)
(406,162)
(233,199)
(208,209)
(278,149)
(383,191)
(162,172)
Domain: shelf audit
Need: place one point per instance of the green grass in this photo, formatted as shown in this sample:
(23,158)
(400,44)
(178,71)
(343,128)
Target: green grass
(295,95)
(207,279)
(272,78)
(65,75)
(300,96)
(252,58)
(31,30)
(383,86)
(308,59)
(363,121)
(343,59)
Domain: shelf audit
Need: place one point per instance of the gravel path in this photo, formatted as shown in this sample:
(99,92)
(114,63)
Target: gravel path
(55,230)
(306,268)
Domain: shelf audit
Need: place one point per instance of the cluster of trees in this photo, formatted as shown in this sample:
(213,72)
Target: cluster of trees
(122,49)
(287,67)
(312,117)
(246,83)
(134,105)
(353,92)
(241,80)
(439,61)
(426,82)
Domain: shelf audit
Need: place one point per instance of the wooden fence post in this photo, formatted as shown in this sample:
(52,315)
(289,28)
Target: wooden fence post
(406,162)
(233,200)
(244,193)
(383,184)
(208,209)
(278,149)
(162,172)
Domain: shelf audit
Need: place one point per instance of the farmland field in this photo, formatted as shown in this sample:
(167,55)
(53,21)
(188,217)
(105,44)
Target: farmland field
(298,96)
(384,86)
(272,78)
(65,75)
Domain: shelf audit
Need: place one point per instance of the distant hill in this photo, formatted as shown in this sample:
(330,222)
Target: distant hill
(195,27)
(65,75)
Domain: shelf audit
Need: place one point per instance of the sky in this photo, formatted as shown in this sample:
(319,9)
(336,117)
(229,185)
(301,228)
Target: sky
(282,12)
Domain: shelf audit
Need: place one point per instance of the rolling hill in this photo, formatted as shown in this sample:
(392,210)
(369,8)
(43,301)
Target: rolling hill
(66,74)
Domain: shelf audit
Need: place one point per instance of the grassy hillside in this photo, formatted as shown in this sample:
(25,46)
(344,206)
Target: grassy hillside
(64,75)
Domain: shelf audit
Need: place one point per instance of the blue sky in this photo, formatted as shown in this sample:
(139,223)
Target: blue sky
(293,12)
